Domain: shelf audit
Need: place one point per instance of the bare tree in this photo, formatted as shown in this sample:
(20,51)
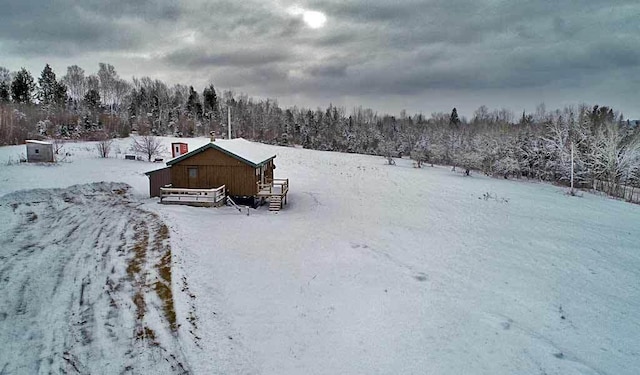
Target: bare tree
(148,145)
(104,147)
(58,145)
(108,79)
(120,90)
(76,82)
(92,83)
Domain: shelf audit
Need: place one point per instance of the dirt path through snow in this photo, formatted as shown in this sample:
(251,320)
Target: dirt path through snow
(85,280)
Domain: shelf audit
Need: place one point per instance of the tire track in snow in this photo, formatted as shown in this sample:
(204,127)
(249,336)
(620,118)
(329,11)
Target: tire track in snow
(70,305)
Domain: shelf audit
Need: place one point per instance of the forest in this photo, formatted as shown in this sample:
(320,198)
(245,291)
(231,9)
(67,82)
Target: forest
(592,145)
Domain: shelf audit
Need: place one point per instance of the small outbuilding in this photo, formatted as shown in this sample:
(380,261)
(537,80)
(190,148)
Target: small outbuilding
(39,151)
(179,149)
(158,179)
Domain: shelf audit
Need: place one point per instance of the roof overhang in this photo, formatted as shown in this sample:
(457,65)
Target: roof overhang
(221,149)
(156,170)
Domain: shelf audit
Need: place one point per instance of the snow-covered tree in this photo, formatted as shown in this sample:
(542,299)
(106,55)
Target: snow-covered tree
(108,78)
(388,150)
(76,83)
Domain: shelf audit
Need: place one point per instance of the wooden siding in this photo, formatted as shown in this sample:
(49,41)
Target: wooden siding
(268,173)
(158,179)
(214,169)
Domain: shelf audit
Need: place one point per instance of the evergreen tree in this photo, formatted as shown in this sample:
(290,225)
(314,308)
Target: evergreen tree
(22,87)
(194,107)
(92,104)
(92,100)
(290,126)
(211,110)
(5,85)
(5,94)
(60,95)
(47,86)
(454,119)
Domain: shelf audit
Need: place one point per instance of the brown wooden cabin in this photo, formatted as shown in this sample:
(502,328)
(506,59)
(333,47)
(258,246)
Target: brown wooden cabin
(222,162)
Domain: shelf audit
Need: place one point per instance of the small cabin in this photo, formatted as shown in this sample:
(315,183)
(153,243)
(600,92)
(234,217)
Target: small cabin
(179,149)
(243,169)
(39,151)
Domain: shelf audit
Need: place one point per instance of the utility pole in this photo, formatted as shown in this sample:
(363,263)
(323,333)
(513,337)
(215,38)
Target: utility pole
(229,120)
(572,168)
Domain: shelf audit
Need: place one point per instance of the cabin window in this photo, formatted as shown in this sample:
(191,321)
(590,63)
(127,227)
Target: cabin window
(37,151)
(193,172)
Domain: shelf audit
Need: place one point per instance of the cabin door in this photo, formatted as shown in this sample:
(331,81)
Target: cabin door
(192,180)
(262,174)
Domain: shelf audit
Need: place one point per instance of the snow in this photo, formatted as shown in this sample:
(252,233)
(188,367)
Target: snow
(68,293)
(38,142)
(369,269)
(78,163)
(246,149)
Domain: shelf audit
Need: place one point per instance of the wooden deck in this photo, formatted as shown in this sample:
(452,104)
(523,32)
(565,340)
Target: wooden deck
(276,191)
(193,197)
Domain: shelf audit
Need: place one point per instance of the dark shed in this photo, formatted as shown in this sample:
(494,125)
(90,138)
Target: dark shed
(157,179)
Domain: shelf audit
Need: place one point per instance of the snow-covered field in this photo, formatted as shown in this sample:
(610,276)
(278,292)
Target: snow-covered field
(370,269)
(82,286)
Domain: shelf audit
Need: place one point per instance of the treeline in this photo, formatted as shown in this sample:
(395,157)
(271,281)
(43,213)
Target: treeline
(604,147)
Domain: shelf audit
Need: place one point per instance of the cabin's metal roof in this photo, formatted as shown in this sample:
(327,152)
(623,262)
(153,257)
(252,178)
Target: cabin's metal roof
(154,171)
(239,148)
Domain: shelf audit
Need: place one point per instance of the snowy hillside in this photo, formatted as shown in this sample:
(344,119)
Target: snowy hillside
(370,269)
(83,285)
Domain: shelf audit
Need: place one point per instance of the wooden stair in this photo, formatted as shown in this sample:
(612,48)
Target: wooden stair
(275,203)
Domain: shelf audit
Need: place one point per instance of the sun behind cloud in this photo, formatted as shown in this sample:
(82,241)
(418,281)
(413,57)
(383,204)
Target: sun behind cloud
(312,18)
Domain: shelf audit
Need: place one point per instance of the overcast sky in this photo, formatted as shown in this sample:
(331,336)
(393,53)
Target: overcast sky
(422,56)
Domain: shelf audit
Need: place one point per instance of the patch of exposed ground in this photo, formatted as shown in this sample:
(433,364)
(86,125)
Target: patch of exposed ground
(86,282)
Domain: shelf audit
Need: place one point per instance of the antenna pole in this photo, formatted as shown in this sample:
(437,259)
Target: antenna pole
(229,120)
(571,167)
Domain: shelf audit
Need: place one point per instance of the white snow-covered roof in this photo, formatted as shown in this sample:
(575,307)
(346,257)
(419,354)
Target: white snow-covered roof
(239,148)
(38,142)
(247,150)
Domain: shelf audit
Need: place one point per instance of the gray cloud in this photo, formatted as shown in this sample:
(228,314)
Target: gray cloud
(150,10)
(328,70)
(369,48)
(242,58)
(63,27)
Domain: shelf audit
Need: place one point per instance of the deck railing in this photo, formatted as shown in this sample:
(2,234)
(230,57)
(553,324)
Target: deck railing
(198,196)
(277,186)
